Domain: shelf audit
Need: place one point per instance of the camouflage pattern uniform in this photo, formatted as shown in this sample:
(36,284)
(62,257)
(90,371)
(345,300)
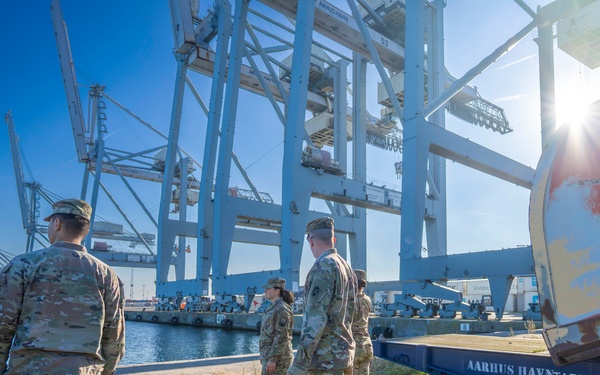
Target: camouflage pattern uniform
(275,341)
(64,309)
(360,332)
(326,345)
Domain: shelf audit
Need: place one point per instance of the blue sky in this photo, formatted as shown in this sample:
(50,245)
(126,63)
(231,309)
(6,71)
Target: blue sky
(126,46)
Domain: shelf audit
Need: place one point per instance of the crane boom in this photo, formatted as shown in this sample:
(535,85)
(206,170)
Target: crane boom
(18,166)
(70,80)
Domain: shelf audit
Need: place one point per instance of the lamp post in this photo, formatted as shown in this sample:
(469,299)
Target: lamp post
(143,291)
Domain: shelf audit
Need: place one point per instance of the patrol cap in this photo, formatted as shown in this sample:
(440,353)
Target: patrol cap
(275,282)
(75,207)
(324,222)
(360,275)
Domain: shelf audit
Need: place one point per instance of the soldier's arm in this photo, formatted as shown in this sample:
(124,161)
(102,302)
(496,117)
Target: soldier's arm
(113,334)
(12,287)
(352,294)
(281,320)
(318,300)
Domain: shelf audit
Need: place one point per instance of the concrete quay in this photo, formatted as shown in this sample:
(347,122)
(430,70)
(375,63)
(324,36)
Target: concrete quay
(248,364)
(387,326)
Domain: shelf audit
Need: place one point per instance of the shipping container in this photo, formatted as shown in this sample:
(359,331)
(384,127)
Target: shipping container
(478,287)
(529,284)
(511,303)
(106,227)
(134,258)
(531,297)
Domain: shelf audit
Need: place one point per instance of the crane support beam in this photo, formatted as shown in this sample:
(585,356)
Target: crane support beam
(452,146)
(67,68)
(347,191)
(140,174)
(458,85)
(119,259)
(203,61)
(145,123)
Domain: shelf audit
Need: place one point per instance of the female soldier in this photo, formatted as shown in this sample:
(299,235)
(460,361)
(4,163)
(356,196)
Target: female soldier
(275,341)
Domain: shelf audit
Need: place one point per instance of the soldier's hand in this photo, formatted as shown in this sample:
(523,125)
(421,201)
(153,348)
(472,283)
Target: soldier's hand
(271,367)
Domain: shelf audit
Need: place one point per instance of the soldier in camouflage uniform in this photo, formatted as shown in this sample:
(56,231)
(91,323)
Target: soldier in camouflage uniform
(61,309)
(360,327)
(326,345)
(275,341)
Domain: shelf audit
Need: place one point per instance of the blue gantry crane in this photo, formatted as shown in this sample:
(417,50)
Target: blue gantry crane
(30,192)
(324,157)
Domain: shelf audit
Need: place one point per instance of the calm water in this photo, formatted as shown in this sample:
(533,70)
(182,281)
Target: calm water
(147,342)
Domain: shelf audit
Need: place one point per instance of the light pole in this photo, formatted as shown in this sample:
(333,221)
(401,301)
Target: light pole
(143,290)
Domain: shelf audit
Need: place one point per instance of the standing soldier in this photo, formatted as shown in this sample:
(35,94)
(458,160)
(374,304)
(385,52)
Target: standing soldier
(360,327)
(275,341)
(326,345)
(61,309)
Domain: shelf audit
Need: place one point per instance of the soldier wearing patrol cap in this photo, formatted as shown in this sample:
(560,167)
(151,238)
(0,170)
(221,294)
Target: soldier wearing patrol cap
(275,342)
(73,206)
(61,309)
(326,345)
(360,327)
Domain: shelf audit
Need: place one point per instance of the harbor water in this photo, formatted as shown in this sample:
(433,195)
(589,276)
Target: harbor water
(148,342)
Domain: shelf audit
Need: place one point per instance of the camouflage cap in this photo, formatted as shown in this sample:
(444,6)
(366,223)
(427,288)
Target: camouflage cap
(275,282)
(324,222)
(360,275)
(75,207)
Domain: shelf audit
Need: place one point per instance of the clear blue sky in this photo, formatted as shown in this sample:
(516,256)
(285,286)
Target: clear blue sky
(126,46)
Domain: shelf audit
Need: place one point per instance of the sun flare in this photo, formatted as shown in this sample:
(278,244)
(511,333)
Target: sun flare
(571,109)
